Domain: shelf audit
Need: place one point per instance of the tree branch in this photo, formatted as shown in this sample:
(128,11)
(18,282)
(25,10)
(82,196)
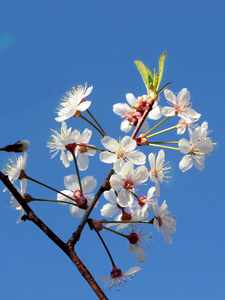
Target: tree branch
(31,216)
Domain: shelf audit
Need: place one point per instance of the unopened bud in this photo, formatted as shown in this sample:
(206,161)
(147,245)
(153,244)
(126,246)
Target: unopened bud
(19,146)
(141,140)
(97,225)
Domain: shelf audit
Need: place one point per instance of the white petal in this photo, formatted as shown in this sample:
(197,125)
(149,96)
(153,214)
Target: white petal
(137,157)
(128,144)
(167,236)
(200,165)
(110,144)
(131,271)
(151,159)
(83,162)
(84,105)
(155,113)
(140,175)
(127,170)
(186,163)
(160,159)
(131,99)
(110,196)
(126,126)
(107,157)
(184,146)
(156,224)
(121,108)
(76,211)
(169,95)
(168,111)
(125,198)
(89,184)
(116,182)
(140,253)
(71,182)
(109,210)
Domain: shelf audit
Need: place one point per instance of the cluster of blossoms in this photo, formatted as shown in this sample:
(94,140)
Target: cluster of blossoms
(132,169)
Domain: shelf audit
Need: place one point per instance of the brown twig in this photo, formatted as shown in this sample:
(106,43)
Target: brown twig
(31,216)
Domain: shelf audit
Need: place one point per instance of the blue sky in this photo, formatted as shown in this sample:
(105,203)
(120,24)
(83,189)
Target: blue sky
(46,48)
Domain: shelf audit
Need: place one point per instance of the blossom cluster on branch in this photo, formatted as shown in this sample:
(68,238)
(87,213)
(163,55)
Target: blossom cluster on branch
(133,163)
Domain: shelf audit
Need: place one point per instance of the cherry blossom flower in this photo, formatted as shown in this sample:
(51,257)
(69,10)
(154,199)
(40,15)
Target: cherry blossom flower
(135,111)
(140,208)
(83,149)
(163,220)
(68,140)
(181,105)
(19,146)
(126,181)
(60,140)
(121,151)
(110,209)
(183,125)
(196,149)
(135,238)
(117,277)
(73,190)
(74,103)
(157,169)
(15,203)
(13,170)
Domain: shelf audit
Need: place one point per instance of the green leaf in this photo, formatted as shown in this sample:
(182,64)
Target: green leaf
(162,89)
(161,68)
(146,74)
(156,79)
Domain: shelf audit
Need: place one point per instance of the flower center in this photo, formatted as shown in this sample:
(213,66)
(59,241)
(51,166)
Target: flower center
(133,238)
(142,200)
(116,272)
(128,184)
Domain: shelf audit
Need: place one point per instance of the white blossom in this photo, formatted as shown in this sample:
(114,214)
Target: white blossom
(196,149)
(126,181)
(157,169)
(164,221)
(121,151)
(117,277)
(135,239)
(13,170)
(74,102)
(73,190)
(76,142)
(181,105)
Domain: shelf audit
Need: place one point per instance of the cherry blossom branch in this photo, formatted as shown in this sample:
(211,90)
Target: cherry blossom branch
(31,216)
(76,235)
(144,116)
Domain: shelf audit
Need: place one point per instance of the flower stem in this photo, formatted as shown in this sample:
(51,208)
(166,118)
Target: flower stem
(82,117)
(78,173)
(127,222)
(95,122)
(36,181)
(116,232)
(106,248)
(169,142)
(155,126)
(162,131)
(161,146)
(49,200)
